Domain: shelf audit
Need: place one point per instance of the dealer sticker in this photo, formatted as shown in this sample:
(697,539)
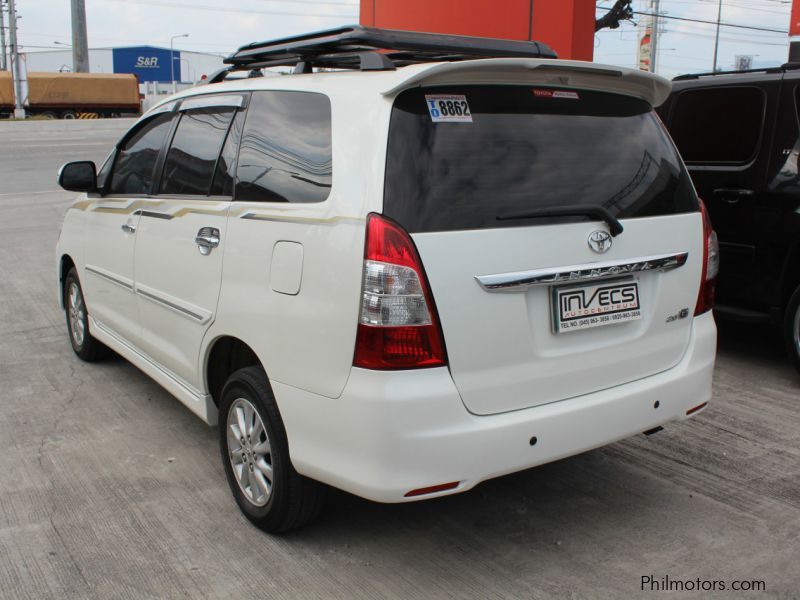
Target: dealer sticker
(448,108)
(576,308)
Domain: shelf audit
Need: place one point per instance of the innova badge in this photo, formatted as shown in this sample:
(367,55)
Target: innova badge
(600,241)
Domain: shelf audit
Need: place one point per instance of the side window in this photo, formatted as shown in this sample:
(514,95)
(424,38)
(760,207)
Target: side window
(285,153)
(226,166)
(136,161)
(195,148)
(718,125)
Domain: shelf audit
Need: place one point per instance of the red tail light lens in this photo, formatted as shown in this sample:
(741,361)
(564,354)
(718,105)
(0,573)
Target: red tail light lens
(398,326)
(705,299)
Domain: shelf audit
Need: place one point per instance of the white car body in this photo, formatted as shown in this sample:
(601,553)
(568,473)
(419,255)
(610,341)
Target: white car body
(286,281)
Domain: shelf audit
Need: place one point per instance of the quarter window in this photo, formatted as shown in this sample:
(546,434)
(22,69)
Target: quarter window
(718,126)
(285,154)
(136,162)
(192,157)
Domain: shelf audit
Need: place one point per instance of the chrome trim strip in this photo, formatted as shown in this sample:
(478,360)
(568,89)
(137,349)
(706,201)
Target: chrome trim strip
(111,278)
(169,304)
(522,280)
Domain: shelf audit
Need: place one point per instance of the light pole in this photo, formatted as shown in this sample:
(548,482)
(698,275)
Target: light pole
(716,41)
(63,44)
(3,64)
(172,57)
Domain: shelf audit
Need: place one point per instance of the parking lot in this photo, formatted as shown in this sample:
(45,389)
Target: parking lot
(109,487)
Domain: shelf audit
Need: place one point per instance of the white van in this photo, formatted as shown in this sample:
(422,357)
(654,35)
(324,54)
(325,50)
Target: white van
(401,277)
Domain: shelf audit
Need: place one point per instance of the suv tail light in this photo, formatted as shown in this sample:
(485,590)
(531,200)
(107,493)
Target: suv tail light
(705,299)
(398,327)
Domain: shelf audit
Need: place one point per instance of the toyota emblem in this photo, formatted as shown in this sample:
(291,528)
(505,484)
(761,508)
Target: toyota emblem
(600,241)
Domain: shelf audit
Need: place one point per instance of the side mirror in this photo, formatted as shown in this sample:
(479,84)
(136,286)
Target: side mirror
(78,176)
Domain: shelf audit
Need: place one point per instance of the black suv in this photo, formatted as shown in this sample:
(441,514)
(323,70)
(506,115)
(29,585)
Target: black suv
(739,134)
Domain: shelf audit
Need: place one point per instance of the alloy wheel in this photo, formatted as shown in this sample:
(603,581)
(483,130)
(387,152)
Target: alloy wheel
(76,312)
(249,452)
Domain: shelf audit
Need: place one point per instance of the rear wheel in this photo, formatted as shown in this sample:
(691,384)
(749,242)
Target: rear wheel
(791,327)
(255,454)
(85,346)
(69,114)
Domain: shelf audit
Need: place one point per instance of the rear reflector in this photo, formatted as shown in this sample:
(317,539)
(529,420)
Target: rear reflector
(433,489)
(691,411)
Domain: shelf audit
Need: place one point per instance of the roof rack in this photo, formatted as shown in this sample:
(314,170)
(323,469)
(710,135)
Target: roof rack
(370,49)
(781,69)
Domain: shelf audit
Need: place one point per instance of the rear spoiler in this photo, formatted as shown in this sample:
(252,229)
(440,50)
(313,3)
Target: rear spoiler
(545,72)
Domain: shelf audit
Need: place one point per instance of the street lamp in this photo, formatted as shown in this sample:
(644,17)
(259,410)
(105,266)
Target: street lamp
(172,56)
(63,44)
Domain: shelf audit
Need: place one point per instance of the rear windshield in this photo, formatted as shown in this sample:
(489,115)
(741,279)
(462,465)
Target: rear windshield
(502,150)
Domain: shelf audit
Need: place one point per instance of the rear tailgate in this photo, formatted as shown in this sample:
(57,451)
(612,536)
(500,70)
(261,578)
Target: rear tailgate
(527,148)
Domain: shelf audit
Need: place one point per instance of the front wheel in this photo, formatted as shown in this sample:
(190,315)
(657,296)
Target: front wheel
(255,454)
(791,328)
(85,346)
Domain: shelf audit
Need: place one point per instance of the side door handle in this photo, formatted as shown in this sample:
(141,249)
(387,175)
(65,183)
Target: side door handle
(207,239)
(128,228)
(733,195)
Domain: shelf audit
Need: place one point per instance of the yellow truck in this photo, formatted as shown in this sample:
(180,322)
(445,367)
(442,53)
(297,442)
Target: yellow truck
(74,95)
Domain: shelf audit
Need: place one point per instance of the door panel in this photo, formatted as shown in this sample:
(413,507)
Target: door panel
(725,137)
(177,280)
(108,272)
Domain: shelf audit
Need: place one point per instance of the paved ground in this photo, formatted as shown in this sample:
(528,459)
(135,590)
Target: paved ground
(110,488)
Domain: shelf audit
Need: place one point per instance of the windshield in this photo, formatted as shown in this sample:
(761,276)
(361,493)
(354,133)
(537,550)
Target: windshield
(499,150)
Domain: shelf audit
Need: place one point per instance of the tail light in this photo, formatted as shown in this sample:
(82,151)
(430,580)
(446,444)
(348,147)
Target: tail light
(705,299)
(398,326)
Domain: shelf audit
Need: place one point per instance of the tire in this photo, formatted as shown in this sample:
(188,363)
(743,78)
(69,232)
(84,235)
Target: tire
(69,114)
(791,329)
(48,114)
(290,500)
(85,346)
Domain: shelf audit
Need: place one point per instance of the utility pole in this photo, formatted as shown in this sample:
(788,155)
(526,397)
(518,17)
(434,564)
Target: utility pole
(16,68)
(80,45)
(3,63)
(716,41)
(656,6)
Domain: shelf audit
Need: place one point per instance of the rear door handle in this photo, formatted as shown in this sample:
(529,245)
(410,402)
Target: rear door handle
(733,195)
(207,239)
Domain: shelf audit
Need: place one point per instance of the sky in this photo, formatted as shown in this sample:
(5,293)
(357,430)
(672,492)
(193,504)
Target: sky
(220,26)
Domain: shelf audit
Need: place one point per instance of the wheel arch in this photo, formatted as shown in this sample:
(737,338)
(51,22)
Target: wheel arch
(65,263)
(225,355)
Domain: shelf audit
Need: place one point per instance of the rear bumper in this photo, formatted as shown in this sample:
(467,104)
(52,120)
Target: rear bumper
(393,432)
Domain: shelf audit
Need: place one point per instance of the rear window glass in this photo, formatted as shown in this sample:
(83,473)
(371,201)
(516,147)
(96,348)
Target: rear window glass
(522,149)
(718,126)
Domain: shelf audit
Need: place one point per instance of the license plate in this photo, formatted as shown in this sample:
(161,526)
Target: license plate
(584,307)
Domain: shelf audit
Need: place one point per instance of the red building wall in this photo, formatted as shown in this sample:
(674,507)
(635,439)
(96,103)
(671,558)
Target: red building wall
(565,25)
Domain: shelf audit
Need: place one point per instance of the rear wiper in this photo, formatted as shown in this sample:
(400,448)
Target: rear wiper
(575,210)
